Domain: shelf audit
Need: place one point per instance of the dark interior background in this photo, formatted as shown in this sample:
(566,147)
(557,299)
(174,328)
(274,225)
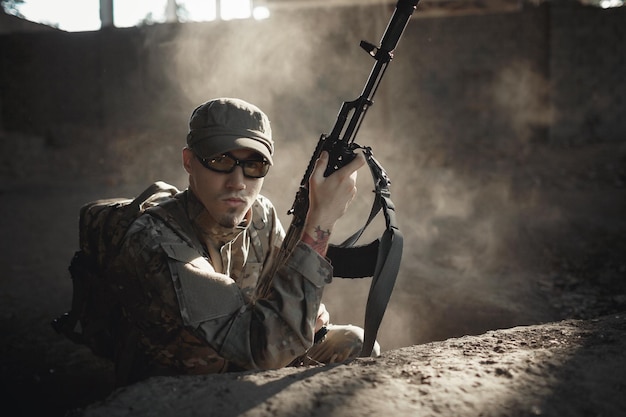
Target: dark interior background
(502,132)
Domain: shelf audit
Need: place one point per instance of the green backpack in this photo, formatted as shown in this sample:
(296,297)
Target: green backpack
(103,224)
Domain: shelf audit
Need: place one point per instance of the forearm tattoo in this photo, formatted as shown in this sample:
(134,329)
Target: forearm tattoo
(319,242)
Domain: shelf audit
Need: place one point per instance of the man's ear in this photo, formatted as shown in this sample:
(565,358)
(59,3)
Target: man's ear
(187,159)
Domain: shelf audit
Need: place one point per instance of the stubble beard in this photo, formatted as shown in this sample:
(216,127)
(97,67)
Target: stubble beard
(232,218)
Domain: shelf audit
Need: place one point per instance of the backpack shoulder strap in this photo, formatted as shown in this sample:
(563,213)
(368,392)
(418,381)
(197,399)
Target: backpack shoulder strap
(173,213)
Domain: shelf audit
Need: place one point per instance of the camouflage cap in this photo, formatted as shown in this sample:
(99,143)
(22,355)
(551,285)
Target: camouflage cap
(225,124)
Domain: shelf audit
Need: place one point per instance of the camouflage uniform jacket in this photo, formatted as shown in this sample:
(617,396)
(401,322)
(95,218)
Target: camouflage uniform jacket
(187,314)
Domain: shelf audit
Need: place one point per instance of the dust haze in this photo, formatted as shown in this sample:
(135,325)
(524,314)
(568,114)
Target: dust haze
(480,200)
(463,203)
(502,134)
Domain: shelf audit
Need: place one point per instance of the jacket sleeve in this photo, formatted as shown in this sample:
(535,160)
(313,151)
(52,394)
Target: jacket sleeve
(264,334)
(272,332)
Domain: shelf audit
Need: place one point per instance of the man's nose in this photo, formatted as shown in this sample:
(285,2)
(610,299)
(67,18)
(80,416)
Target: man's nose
(236,179)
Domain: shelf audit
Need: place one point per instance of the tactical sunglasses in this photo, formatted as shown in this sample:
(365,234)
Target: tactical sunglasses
(226,163)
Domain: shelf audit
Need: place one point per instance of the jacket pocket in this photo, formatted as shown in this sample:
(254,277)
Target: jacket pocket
(202,293)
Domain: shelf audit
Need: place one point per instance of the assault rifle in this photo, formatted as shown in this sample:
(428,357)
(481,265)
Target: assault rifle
(381,258)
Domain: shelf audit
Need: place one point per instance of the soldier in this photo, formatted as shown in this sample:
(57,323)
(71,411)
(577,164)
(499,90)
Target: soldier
(190,275)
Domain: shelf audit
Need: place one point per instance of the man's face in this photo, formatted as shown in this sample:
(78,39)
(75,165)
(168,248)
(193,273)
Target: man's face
(226,196)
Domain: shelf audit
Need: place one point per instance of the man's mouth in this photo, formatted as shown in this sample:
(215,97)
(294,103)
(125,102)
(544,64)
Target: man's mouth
(234,201)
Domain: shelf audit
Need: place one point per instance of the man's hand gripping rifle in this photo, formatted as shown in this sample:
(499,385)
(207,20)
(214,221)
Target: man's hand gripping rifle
(341,146)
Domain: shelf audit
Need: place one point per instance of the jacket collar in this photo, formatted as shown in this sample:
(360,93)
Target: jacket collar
(207,227)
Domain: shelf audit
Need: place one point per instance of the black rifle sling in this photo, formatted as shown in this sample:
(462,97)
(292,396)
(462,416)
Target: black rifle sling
(379,259)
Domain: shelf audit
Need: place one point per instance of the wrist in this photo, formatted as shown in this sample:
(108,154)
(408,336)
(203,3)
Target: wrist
(317,238)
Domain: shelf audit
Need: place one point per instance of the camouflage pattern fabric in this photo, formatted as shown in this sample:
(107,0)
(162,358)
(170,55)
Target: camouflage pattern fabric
(184,317)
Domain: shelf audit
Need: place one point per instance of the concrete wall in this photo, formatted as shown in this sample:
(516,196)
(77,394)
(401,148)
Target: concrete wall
(478,76)
(587,67)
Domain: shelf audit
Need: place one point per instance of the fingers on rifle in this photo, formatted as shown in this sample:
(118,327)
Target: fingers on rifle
(360,157)
(320,165)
